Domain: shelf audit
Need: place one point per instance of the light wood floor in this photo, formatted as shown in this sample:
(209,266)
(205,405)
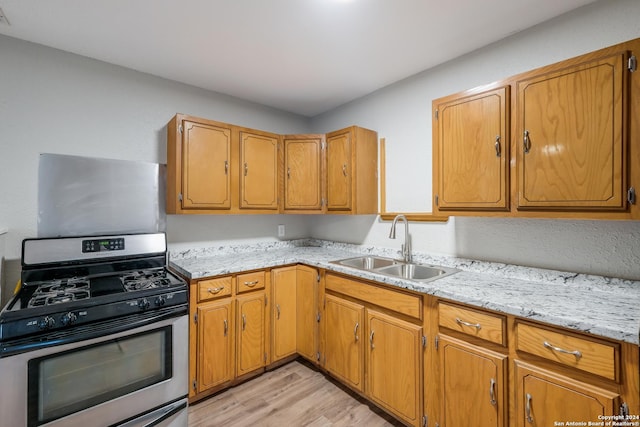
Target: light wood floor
(293,395)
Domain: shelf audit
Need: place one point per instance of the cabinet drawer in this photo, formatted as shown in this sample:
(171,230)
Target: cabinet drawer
(405,303)
(249,282)
(487,326)
(214,288)
(596,357)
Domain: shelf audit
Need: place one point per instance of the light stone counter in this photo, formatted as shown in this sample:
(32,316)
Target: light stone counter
(603,306)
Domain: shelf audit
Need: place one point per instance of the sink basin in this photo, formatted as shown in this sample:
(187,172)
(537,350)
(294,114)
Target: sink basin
(393,268)
(367,262)
(413,271)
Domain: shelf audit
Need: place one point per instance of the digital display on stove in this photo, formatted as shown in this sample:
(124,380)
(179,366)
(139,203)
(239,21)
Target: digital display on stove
(100,245)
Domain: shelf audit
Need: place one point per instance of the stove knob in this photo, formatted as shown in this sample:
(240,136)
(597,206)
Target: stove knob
(159,301)
(68,319)
(46,322)
(143,303)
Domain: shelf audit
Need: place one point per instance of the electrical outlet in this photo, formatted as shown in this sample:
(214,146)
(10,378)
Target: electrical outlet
(281,230)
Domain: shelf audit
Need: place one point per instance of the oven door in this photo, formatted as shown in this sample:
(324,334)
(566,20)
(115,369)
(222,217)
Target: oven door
(138,377)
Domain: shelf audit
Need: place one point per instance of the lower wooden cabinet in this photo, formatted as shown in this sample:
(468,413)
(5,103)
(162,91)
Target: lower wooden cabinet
(284,312)
(472,383)
(307,313)
(250,320)
(215,345)
(545,397)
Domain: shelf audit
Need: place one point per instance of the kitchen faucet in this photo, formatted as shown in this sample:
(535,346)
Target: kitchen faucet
(406,247)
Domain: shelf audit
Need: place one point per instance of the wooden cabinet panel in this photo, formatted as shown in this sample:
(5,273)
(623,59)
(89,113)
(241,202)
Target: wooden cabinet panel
(339,171)
(597,357)
(284,312)
(571,124)
(206,156)
(393,365)
(215,344)
(473,381)
(303,173)
(250,282)
(250,336)
(211,289)
(471,151)
(544,398)
(490,327)
(258,171)
(306,312)
(344,339)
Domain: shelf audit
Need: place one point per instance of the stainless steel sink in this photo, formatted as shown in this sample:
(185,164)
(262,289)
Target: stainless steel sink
(394,268)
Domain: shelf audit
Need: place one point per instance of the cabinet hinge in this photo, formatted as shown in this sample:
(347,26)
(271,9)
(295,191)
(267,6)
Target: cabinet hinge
(195,318)
(624,410)
(436,114)
(631,196)
(194,384)
(424,341)
(180,196)
(181,129)
(632,64)
(318,356)
(318,278)
(425,420)
(437,200)
(323,146)
(436,342)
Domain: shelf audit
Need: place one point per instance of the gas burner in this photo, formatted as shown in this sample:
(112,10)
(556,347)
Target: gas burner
(145,279)
(61,295)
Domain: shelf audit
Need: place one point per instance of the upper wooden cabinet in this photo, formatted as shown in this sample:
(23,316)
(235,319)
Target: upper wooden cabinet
(259,171)
(551,142)
(352,171)
(303,167)
(471,151)
(571,124)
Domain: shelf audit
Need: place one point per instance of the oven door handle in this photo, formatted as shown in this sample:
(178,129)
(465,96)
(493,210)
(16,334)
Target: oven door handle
(90,331)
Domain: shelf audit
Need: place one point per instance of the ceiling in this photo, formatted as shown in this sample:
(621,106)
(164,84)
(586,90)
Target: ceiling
(301,56)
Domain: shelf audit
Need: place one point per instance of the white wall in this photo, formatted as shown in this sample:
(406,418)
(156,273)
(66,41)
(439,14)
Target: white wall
(56,102)
(401,113)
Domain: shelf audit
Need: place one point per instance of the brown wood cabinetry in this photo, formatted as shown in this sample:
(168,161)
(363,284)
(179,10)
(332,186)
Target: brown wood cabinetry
(284,312)
(307,312)
(259,159)
(303,168)
(214,346)
(250,320)
(551,142)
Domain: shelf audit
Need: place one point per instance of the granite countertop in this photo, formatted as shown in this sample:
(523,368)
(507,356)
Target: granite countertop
(602,306)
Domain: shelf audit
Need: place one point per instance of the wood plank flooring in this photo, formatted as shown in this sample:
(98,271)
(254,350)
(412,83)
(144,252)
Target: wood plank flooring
(293,395)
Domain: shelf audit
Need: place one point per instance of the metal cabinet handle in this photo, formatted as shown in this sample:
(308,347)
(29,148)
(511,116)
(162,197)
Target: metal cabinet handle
(226,327)
(252,283)
(344,169)
(246,169)
(528,409)
(492,392)
(244,321)
(576,353)
(526,142)
(371,340)
(215,290)
(497,145)
(226,167)
(459,321)
(278,311)
(288,173)
(355,331)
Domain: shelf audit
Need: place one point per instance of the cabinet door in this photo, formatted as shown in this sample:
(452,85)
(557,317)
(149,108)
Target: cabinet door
(206,153)
(303,174)
(344,333)
(472,152)
(284,312)
(339,171)
(258,171)
(473,381)
(307,312)
(570,131)
(215,329)
(393,366)
(250,321)
(543,398)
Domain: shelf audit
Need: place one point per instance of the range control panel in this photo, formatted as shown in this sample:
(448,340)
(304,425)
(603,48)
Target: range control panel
(100,245)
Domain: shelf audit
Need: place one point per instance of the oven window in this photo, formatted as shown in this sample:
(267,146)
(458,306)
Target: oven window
(64,383)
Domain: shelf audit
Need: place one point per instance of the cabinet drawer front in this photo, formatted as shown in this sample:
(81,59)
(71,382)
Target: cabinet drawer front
(214,288)
(411,305)
(600,358)
(250,282)
(490,327)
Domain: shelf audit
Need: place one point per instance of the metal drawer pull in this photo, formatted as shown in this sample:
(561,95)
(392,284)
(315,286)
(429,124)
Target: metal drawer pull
(278,311)
(459,321)
(355,330)
(344,169)
(576,353)
(492,392)
(226,327)
(528,409)
(215,290)
(371,340)
(497,145)
(252,283)
(226,167)
(244,321)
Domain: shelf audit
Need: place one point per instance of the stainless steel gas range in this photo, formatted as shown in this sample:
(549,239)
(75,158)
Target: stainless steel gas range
(96,335)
